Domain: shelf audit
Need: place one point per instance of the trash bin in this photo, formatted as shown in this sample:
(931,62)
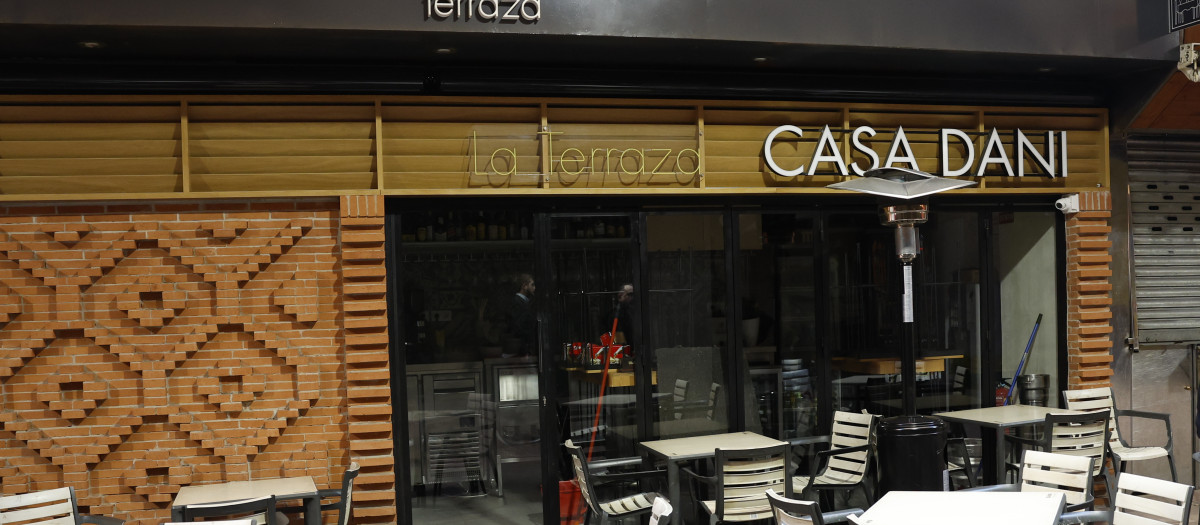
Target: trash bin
(912,453)
(1031,389)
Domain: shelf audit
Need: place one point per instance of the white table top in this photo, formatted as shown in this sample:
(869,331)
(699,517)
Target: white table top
(1005,416)
(956,508)
(282,488)
(695,447)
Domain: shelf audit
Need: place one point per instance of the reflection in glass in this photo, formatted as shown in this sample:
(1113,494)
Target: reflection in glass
(594,327)
(471,361)
(778,326)
(688,327)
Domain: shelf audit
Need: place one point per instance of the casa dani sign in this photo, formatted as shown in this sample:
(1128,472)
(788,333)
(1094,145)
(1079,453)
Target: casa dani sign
(1049,158)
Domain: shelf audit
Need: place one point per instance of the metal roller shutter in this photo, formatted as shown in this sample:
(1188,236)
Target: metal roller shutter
(1164,188)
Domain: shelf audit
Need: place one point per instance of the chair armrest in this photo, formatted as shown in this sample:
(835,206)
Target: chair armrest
(614,462)
(693,476)
(1022,440)
(840,516)
(1005,487)
(609,477)
(100,520)
(1087,516)
(846,450)
(809,440)
(1165,418)
(1090,504)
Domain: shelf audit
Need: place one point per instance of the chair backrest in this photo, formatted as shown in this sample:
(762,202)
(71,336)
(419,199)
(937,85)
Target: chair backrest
(582,477)
(660,511)
(680,393)
(47,507)
(1077,435)
(744,476)
(851,430)
(261,510)
(714,393)
(1142,501)
(960,380)
(347,494)
(1048,472)
(788,511)
(1095,400)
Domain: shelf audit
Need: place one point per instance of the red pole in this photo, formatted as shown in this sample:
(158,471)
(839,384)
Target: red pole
(603,384)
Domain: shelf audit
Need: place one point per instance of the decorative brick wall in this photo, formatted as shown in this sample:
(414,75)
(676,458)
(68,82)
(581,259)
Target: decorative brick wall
(148,346)
(1089,292)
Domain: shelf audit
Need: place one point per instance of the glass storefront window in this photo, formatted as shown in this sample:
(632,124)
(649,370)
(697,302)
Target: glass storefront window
(1025,267)
(688,327)
(779,323)
(470,346)
(648,327)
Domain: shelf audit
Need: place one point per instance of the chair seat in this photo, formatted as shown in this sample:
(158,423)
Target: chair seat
(751,513)
(626,505)
(1138,453)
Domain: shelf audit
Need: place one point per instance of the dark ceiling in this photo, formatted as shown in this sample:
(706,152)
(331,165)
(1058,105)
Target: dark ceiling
(97,59)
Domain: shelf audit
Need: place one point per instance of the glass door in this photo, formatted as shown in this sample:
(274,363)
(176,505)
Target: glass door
(469,325)
(779,327)
(594,332)
(690,321)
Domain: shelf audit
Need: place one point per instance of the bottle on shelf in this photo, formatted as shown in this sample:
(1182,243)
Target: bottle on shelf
(480,227)
(452,228)
(422,232)
(439,231)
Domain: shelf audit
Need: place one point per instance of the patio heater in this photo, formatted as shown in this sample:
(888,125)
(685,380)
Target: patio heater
(901,205)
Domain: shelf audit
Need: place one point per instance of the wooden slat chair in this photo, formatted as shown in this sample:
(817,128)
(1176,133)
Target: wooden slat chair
(788,511)
(1100,400)
(1084,435)
(626,506)
(844,466)
(47,507)
(261,511)
(333,499)
(1050,472)
(738,489)
(1141,500)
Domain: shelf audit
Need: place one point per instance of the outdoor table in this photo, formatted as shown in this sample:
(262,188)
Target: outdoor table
(302,488)
(680,450)
(900,507)
(998,419)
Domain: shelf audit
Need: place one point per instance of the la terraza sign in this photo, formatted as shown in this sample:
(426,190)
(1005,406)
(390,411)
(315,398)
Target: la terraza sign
(1050,158)
(484,10)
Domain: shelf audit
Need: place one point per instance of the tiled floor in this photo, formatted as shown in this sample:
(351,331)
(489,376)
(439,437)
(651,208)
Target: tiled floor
(456,505)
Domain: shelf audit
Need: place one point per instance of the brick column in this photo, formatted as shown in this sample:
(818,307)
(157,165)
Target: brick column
(368,376)
(1089,292)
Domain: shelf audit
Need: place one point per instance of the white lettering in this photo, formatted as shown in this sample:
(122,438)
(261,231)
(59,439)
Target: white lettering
(535,14)
(771,158)
(1062,144)
(487,10)
(1024,145)
(510,15)
(443,8)
(993,153)
(484,15)
(968,146)
(856,139)
(898,142)
(835,156)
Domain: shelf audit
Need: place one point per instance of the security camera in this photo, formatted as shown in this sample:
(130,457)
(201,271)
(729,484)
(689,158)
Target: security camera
(1068,204)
